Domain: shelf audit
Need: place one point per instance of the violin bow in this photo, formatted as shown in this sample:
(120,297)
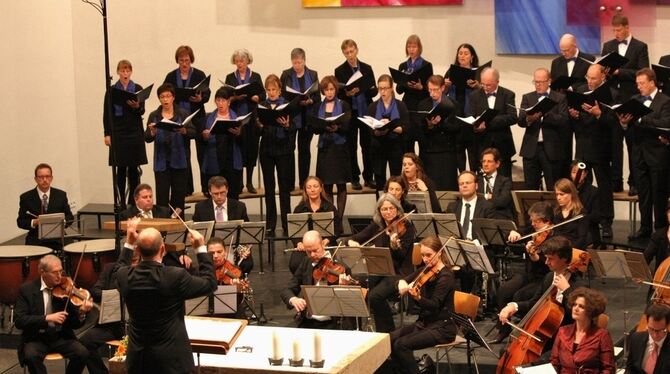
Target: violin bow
(76,273)
(404,217)
(579,216)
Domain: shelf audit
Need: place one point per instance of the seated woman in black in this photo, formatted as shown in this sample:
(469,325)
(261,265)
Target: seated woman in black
(570,206)
(396,186)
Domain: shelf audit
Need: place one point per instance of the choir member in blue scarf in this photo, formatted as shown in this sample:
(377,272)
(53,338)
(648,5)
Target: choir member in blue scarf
(170,149)
(242,105)
(126,123)
(414,92)
(332,161)
(300,78)
(386,145)
(466,57)
(439,141)
(277,152)
(187,76)
(359,99)
(223,153)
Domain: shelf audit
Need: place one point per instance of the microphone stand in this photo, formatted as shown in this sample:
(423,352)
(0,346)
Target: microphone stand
(101,7)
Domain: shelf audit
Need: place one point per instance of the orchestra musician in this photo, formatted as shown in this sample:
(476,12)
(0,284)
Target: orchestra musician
(399,238)
(242,105)
(222,152)
(219,207)
(658,248)
(437,143)
(155,295)
(125,120)
(43,199)
(396,186)
(416,179)
(590,196)
(358,99)
(466,57)
(317,257)
(650,350)
(414,92)
(583,346)
(47,322)
(299,77)
(333,162)
(186,76)
(432,288)
(494,186)
(523,285)
(171,149)
(315,200)
(569,206)
(231,269)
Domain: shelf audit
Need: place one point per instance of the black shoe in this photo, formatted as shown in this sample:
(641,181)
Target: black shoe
(640,234)
(632,191)
(251,189)
(356,186)
(370,184)
(269,233)
(617,186)
(607,231)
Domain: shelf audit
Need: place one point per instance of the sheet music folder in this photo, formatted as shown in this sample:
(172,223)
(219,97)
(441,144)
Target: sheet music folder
(110,307)
(51,226)
(492,231)
(432,224)
(213,335)
(335,301)
(619,264)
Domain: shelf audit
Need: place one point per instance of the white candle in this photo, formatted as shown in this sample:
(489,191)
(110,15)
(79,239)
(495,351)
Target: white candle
(276,350)
(317,347)
(296,350)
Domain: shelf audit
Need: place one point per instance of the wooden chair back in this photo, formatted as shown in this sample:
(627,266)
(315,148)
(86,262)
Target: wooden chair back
(467,304)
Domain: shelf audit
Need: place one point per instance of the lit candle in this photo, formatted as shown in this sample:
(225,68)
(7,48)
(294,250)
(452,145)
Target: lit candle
(296,350)
(317,347)
(276,351)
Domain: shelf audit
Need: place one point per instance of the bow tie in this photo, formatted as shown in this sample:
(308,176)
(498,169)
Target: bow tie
(491,94)
(573,59)
(543,94)
(624,42)
(645,98)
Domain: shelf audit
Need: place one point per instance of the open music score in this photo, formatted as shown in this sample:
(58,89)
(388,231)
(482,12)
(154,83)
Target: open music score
(213,335)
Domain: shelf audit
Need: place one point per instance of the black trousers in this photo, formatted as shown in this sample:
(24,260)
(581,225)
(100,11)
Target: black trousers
(132,174)
(362,132)
(305,136)
(285,166)
(618,137)
(35,351)
(540,166)
(467,146)
(95,338)
(171,187)
(652,186)
(384,288)
(405,340)
(603,174)
(412,133)
(386,152)
(442,168)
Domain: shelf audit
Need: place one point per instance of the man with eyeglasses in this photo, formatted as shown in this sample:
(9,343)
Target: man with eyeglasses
(43,199)
(571,62)
(219,207)
(543,147)
(48,322)
(650,350)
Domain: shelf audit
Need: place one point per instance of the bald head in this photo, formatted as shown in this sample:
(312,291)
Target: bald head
(490,78)
(313,245)
(568,45)
(595,76)
(150,244)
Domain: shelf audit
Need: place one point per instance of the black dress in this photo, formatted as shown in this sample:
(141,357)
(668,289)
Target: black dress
(128,133)
(332,160)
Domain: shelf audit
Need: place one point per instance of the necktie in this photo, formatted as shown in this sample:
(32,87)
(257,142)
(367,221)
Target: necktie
(466,220)
(487,185)
(651,360)
(219,213)
(48,308)
(45,203)
(644,98)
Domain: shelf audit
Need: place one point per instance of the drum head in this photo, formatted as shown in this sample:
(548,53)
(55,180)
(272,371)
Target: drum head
(14,251)
(92,246)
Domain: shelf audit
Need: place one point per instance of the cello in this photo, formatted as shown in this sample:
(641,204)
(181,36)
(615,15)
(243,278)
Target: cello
(539,325)
(661,293)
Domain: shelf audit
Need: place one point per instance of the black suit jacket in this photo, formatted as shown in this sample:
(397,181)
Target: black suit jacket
(638,346)
(442,137)
(154,295)
(31,201)
(413,97)
(638,58)
(553,125)
(664,60)
(594,135)
(576,280)
(498,133)
(344,72)
(157,212)
(503,205)
(559,67)
(483,209)
(286,81)
(658,247)
(647,146)
(204,211)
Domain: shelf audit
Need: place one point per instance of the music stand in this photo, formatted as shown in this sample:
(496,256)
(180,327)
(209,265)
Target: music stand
(421,199)
(300,223)
(494,232)
(335,301)
(446,197)
(110,307)
(227,230)
(524,199)
(471,334)
(454,252)
(367,260)
(435,224)
(253,233)
(198,306)
(52,227)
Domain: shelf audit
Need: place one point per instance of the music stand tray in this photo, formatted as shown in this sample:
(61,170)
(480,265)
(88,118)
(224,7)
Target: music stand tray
(335,301)
(252,233)
(110,307)
(206,228)
(492,231)
(422,201)
(431,224)
(300,223)
(198,306)
(469,331)
(618,264)
(524,199)
(476,256)
(227,230)
(367,260)
(51,226)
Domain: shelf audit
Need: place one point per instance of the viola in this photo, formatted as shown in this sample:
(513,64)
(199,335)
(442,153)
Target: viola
(67,290)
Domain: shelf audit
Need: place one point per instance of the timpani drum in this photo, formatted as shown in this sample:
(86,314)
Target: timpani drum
(99,252)
(18,264)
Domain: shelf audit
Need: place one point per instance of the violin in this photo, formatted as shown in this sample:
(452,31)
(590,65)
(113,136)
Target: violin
(67,290)
(328,270)
(537,241)
(425,277)
(228,273)
(395,232)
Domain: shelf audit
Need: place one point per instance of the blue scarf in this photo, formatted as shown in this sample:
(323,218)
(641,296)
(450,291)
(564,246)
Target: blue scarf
(331,136)
(295,84)
(169,148)
(391,113)
(280,132)
(414,66)
(358,101)
(180,84)
(118,109)
(241,106)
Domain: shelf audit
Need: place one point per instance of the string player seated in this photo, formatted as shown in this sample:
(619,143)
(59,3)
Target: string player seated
(232,270)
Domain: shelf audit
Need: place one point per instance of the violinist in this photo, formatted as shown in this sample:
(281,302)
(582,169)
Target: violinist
(591,198)
(569,206)
(399,238)
(522,286)
(48,321)
(432,288)
(317,262)
(558,256)
(229,268)
(583,346)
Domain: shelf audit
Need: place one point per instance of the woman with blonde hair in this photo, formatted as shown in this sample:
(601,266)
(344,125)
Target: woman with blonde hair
(570,206)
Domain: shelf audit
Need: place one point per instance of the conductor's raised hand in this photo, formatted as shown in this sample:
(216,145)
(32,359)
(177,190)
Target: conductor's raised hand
(197,240)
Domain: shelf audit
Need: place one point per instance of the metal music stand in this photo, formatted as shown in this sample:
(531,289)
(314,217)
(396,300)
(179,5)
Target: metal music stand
(300,223)
(221,301)
(206,228)
(495,232)
(367,260)
(447,197)
(422,201)
(253,233)
(227,230)
(524,199)
(462,252)
(432,224)
(335,301)
(470,333)
(52,227)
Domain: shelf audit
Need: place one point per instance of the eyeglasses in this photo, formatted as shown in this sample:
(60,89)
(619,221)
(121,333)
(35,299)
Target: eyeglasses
(388,209)
(383,88)
(657,331)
